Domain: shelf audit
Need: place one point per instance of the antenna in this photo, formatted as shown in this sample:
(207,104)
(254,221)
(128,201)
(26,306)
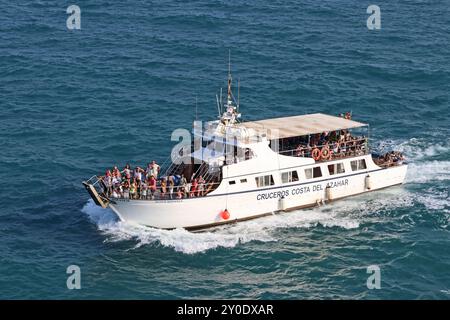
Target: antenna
(229,63)
(229,77)
(220,100)
(218,104)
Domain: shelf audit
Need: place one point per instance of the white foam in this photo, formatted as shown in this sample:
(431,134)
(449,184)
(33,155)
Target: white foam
(422,172)
(262,229)
(416,149)
(179,239)
(421,155)
(424,168)
(435,200)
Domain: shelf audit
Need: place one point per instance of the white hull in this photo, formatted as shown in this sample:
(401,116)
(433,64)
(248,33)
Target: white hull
(245,203)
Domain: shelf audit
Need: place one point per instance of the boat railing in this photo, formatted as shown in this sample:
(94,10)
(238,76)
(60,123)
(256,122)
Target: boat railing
(174,165)
(96,182)
(335,150)
(177,192)
(202,170)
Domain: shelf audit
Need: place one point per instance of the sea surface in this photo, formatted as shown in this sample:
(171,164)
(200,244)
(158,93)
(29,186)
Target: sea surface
(74,102)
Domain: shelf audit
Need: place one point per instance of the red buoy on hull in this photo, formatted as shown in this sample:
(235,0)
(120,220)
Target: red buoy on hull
(225,214)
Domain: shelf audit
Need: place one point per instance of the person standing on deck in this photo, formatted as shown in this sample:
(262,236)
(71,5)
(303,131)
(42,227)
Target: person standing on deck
(126,189)
(171,185)
(201,186)
(127,171)
(144,188)
(163,187)
(179,193)
(154,169)
(152,186)
(137,175)
(107,180)
(184,185)
(194,188)
(133,189)
(116,174)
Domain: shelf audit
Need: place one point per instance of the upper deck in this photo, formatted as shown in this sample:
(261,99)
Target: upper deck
(302,125)
(277,128)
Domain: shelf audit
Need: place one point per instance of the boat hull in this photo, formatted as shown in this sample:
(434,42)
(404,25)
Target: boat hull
(204,212)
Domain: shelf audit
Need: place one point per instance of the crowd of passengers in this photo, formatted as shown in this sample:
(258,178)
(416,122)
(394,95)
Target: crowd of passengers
(335,144)
(145,184)
(391,158)
(326,145)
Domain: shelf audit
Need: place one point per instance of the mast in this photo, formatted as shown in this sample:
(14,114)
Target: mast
(231,114)
(229,98)
(221,101)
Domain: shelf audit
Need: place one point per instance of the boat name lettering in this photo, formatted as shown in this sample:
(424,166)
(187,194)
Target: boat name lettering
(301,190)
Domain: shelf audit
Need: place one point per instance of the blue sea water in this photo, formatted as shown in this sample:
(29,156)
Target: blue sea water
(73,102)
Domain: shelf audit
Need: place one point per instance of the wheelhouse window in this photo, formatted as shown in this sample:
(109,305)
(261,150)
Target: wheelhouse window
(264,181)
(336,168)
(290,176)
(358,164)
(315,172)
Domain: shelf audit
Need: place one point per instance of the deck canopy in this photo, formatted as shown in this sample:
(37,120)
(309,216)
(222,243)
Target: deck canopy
(279,128)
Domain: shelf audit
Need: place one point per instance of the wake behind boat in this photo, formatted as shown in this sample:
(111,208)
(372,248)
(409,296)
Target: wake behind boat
(236,171)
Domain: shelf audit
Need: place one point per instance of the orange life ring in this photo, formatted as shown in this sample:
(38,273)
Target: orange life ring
(316,154)
(325,153)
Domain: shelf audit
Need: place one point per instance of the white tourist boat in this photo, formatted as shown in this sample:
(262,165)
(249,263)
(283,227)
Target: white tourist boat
(258,168)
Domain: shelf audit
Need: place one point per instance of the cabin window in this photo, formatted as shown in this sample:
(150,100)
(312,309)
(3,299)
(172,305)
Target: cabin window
(358,164)
(243,180)
(232,182)
(336,168)
(264,181)
(313,173)
(290,176)
(317,172)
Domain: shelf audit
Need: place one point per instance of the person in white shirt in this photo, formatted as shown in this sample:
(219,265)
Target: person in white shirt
(154,169)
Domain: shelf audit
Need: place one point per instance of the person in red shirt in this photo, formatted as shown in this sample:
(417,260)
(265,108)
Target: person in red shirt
(152,185)
(194,187)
